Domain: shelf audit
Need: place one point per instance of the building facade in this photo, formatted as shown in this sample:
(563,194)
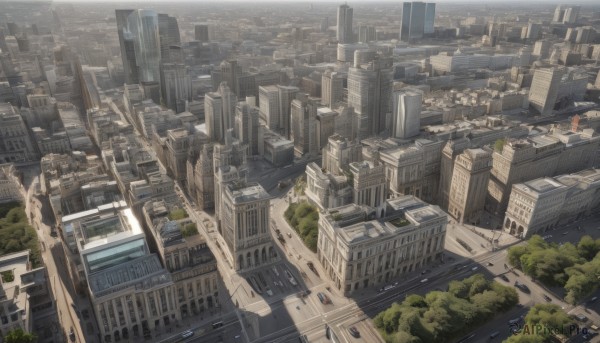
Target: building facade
(359,249)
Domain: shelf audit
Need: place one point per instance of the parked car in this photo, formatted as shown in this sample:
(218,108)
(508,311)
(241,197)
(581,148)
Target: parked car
(72,334)
(547,298)
(503,277)
(354,332)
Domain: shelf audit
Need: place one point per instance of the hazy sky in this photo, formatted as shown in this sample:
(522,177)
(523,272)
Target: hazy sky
(341,1)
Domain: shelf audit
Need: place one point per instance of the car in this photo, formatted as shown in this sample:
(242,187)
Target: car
(354,332)
(593,300)
(323,298)
(494,334)
(522,287)
(580,317)
(187,334)
(72,334)
(425,271)
(503,277)
(547,298)
(289,234)
(424,280)
(53,233)
(489,264)
(565,233)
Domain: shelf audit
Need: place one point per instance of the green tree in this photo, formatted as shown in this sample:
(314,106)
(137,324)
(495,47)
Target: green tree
(515,253)
(177,214)
(588,248)
(19,336)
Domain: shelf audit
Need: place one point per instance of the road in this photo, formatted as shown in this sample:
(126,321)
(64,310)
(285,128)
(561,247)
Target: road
(52,253)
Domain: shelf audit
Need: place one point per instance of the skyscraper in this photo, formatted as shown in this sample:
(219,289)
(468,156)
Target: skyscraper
(417,19)
(175,85)
(406,114)
(268,98)
(370,92)
(544,89)
(219,108)
(201,33)
(246,126)
(143,27)
(429,18)
(286,95)
(127,47)
(332,88)
(168,31)
(304,129)
(344,24)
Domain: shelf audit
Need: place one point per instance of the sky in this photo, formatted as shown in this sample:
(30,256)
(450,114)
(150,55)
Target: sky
(349,2)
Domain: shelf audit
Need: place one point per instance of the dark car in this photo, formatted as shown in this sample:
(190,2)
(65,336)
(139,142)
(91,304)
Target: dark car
(72,335)
(323,298)
(503,277)
(354,332)
(547,298)
(522,287)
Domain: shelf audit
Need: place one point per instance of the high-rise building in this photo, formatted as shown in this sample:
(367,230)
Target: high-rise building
(168,31)
(344,25)
(175,86)
(268,100)
(366,33)
(213,112)
(143,27)
(469,185)
(406,114)
(304,130)
(246,211)
(566,14)
(414,20)
(219,108)
(127,47)
(370,94)
(201,33)
(246,126)
(332,88)
(286,95)
(429,18)
(544,89)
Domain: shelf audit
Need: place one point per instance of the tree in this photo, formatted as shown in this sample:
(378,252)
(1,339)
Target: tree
(19,336)
(588,247)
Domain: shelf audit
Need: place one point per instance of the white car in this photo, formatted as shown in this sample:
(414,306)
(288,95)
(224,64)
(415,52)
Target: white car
(424,280)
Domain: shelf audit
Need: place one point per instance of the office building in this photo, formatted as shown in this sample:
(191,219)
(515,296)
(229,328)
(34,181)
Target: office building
(543,204)
(332,88)
(201,33)
(246,211)
(143,29)
(429,18)
(406,114)
(246,126)
(340,152)
(304,125)
(469,185)
(413,21)
(325,125)
(370,93)
(286,95)
(127,47)
(359,248)
(344,25)
(366,33)
(544,89)
(175,86)
(219,110)
(268,100)
(168,32)
(566,14)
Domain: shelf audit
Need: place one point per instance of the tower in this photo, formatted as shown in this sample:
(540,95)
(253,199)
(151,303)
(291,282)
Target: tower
(469,185)
(344,24)
(544,89)
(406,114)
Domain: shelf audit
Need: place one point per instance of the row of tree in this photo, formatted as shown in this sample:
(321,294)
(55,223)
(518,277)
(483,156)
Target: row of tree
(304,218)
(574,267)
(442,316)
(16,234)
